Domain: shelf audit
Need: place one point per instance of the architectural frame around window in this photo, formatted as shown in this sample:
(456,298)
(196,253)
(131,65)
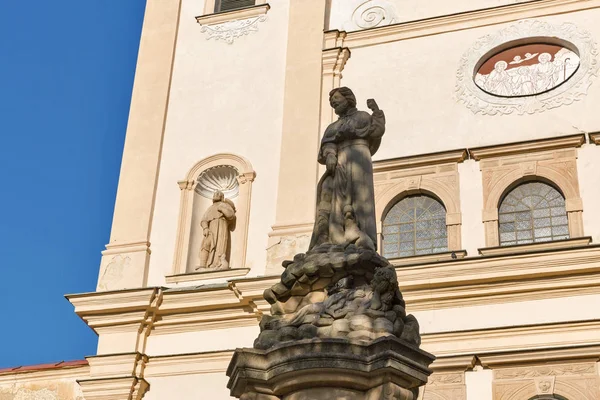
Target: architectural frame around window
(210,7)
(434,175)
(553,161)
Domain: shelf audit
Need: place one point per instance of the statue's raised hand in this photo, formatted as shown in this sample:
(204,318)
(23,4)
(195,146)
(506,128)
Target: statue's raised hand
(372,104)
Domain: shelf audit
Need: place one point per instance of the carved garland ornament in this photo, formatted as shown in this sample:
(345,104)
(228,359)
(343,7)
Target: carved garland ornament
(575,88)
(231,30)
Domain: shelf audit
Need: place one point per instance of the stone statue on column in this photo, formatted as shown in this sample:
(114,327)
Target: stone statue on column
(338,324)
(216,224)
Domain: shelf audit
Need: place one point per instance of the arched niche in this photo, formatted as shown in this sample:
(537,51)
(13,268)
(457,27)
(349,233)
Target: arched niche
(235,175)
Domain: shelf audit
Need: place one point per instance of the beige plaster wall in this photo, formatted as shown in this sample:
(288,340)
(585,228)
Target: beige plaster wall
(589,185)
(471,204)
(201,341)
(479,384)
(225,98)
(346,13)
(211,386)
(508,314)
(414,82)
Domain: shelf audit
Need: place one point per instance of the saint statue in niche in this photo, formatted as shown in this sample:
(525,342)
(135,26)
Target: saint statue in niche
(345,192)
(216,224)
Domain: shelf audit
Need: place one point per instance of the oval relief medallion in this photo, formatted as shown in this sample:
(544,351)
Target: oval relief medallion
(527,70)
(528,67)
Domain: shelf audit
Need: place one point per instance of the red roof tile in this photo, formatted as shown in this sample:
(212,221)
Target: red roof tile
(43,367)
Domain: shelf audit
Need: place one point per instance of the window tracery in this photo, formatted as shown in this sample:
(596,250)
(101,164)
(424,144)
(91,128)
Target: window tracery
(532,212)
(415,225)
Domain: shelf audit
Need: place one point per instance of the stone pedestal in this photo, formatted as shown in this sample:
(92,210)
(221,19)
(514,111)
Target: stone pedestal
(332,369)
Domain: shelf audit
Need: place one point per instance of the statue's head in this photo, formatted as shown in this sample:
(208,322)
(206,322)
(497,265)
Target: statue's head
(342,99)
(218,196)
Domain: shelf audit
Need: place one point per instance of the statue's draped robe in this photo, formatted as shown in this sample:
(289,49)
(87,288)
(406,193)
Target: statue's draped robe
(217,219)
(353,139)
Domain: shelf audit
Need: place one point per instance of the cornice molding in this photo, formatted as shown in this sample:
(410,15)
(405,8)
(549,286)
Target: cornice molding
(429,258)
(456,22)
(185,364)
(594,137)
(233,15)
(531,146)
(541,246)
(201,276)
(198,298)
(394,164)
(513,339)
(569,354)
(425,285)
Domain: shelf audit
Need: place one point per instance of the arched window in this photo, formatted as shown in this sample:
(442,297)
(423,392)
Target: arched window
(532,212)
(548,397)
(415,225)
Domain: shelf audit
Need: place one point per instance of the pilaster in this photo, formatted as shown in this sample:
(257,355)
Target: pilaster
(125,263)
(300,132)
(123,321)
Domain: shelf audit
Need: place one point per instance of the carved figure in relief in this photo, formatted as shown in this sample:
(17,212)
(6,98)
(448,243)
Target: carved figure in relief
(217,223)
(346,150)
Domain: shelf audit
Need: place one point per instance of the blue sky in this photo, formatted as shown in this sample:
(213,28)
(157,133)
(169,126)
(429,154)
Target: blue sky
(66,73)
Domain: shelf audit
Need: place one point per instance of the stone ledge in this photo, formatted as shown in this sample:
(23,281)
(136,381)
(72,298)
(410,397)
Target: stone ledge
(594,137)
(233,15)
(538,145)
(428,258)
(535,247)
(331,363)
(201,276)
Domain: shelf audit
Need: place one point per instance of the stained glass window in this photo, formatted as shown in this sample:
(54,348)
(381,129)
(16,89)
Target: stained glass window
(532,212)
(415,225)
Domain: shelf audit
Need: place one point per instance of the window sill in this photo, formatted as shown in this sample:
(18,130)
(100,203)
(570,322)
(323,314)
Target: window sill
(535,247)
(428,258)
(208,274)
(233,15)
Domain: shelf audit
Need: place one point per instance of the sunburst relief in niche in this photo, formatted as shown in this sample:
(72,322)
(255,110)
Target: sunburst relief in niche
(222,178)
(528,67)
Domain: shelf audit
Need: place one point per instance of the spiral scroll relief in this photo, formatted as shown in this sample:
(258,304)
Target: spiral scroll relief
(374,13)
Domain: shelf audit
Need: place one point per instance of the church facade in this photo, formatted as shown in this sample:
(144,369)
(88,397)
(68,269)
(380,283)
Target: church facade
(485,187)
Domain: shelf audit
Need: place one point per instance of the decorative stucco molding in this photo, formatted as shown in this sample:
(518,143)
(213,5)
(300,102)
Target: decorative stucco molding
(573,381)
(478,101)
(373,13)
(228,26)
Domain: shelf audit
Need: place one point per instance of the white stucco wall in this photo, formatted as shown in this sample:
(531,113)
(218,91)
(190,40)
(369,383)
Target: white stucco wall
(471,205)
(414,82)
(588,164)
(225,98)
(348,14)
(189,387)
(532,312)
(201,341)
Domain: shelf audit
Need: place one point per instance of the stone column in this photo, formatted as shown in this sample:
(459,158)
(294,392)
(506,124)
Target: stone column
(129,240)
